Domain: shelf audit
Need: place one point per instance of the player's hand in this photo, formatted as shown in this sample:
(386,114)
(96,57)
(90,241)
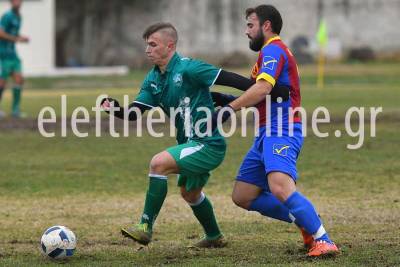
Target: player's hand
(106,103)
(225,115)
(22,39)
(221,100)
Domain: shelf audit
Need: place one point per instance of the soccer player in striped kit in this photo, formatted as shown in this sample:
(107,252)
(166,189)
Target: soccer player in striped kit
(266,181)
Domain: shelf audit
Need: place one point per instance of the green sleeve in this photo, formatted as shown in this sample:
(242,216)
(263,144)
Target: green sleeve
(145,95)
(203,74)
(4,22)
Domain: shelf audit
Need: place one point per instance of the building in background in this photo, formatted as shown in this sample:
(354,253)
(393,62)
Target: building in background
(38,23)
(92,33)
(102,32)
(39,55)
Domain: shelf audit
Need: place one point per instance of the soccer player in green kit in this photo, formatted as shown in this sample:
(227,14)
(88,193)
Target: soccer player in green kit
(10,64)
(182,84)
(178,83)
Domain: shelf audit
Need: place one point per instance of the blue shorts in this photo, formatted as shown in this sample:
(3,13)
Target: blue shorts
(271,154)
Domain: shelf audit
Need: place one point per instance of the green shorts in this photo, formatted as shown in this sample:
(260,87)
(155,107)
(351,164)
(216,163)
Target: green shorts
(195,161)
(9,66)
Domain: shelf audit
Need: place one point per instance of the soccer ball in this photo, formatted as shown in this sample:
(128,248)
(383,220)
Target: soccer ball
(58,242)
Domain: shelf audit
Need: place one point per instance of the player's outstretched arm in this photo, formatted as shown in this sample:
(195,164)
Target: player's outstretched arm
(220,99)
(231,79)
(133,109)
(253,96)
(250,98)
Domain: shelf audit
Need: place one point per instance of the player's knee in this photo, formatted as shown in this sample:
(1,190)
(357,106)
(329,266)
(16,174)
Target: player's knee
(281,185)
(191,197)
(157,165)
(240,201)
(279,191)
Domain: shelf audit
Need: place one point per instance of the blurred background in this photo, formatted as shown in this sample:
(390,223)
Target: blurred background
(89,33)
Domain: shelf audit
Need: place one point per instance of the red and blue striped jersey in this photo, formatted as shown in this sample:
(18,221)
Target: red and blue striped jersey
(277,65)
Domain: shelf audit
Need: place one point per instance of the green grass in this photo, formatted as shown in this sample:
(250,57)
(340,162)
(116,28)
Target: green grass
(346,86)
(95,185)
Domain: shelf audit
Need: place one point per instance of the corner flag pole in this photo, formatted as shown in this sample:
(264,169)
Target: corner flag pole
(321,68)
(322,38)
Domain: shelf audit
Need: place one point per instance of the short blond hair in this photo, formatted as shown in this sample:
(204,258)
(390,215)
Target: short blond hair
(164,27)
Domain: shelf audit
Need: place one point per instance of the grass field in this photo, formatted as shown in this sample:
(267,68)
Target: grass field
(96,185)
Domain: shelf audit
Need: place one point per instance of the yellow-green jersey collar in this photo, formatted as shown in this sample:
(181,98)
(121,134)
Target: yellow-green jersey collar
(270,40)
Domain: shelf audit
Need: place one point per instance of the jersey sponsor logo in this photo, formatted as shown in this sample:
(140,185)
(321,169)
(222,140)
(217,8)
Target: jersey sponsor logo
(156,90)
(178,80)
(279,149)
(269,62)
(153,85)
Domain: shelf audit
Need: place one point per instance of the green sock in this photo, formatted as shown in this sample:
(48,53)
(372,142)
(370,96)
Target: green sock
(204,213)
(16,99)
(156,193)
(1,93)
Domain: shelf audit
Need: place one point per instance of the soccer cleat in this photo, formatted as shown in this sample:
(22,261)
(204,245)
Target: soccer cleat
(219,242)
(139,233)
(323,248)
(308,239)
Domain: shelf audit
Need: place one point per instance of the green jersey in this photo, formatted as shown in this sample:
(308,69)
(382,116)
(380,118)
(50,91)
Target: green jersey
(183,87)
(10,23)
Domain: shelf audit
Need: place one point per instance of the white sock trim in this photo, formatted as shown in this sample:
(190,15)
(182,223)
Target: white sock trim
(158,176)
(292,217)
(321,231)
(198,202)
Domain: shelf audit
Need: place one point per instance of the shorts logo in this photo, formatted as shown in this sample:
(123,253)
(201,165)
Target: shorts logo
(280,150)
(269,62)
(190,150)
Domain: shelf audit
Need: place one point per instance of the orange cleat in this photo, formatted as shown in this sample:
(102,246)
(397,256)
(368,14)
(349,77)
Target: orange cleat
(323,248)
(308,239)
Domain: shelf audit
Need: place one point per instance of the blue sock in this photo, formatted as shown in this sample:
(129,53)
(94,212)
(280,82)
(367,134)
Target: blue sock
(268,205)
(306,216)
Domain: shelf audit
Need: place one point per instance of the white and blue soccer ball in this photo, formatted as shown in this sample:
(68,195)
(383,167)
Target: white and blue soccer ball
(58,242)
